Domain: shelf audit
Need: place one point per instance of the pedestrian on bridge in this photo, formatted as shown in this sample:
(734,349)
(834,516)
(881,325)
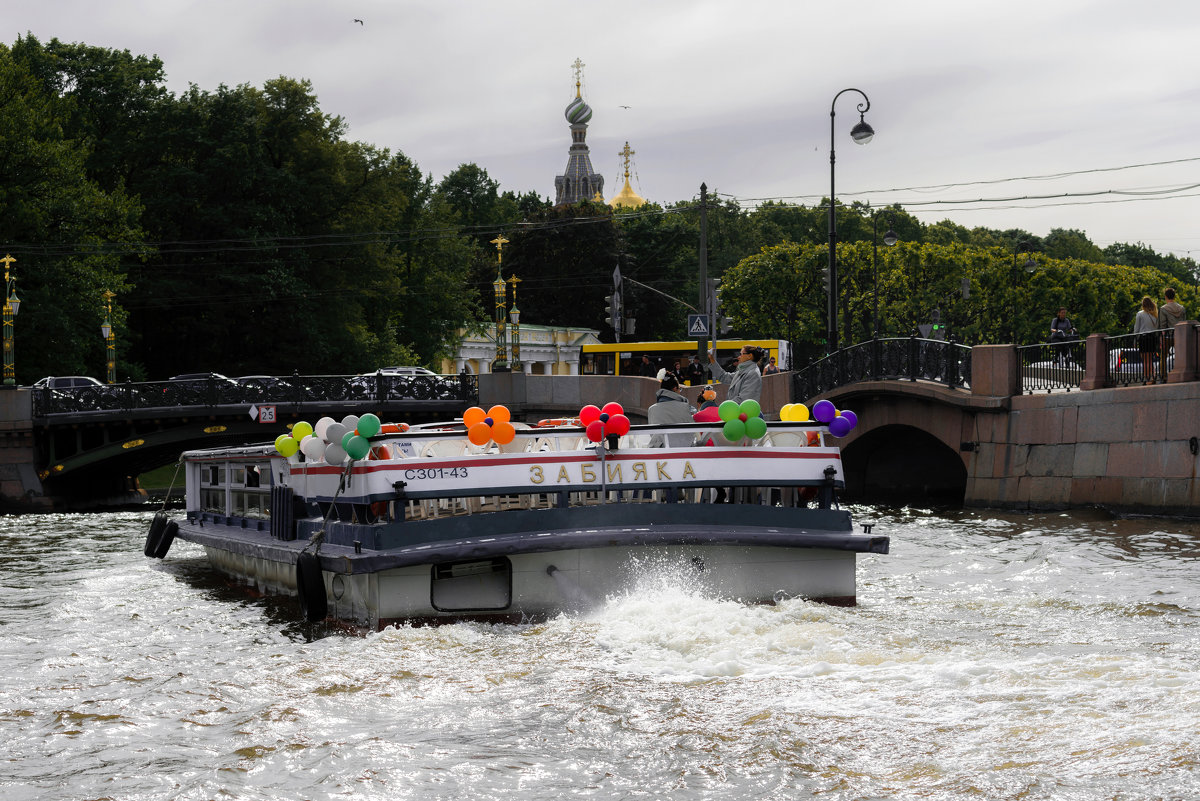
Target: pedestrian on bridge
(1146,324)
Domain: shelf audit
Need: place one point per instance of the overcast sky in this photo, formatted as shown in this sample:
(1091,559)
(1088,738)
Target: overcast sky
(735,94)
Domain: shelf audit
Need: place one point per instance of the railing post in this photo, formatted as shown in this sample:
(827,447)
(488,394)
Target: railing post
(912,358)
(1095,374)
(127,396)
(951,363)
(876,359)
(297,387)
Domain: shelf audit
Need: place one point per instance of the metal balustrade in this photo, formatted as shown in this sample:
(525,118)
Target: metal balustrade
(907,358)
(284,390)
(1051,365)
(1127,364)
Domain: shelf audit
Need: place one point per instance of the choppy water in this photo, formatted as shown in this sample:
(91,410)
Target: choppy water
(991,657)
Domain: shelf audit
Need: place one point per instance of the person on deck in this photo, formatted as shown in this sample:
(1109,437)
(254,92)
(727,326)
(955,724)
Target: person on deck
(744,382)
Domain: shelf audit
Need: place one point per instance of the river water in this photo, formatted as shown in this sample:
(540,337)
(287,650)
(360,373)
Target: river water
(991,656)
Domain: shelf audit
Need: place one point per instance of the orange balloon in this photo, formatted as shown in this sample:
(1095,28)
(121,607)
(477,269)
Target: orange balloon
(503,433)
(473,415)
(499,414)
(480,433)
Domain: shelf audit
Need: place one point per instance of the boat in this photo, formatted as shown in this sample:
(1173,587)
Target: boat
(373,525)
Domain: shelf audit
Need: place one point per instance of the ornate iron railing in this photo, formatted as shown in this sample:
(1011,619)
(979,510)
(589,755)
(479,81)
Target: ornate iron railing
(909,358)
(296,389)
(1051,365)
(1139,358)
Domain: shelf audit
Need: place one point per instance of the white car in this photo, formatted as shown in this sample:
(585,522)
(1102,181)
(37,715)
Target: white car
(66,382)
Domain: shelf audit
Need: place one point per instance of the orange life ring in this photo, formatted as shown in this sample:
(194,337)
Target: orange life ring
(380,452)
(393,428)
(556,422)
(814,438)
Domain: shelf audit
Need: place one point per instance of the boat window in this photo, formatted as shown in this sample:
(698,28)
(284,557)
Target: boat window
(239,476)
(481,584)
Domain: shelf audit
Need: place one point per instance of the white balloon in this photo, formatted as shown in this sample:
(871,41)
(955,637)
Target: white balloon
(322,424)
(334,433)
(350,421)
(313,447)
(334,453)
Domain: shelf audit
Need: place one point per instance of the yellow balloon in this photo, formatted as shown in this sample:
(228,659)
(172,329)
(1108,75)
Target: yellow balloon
(499,414)
(785,411)
(473,415)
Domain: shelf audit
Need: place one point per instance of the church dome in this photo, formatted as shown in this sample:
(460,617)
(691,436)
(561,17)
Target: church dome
(627,198)
(578,112)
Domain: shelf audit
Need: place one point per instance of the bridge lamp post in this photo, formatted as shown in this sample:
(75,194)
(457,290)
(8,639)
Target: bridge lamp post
(106,331)
(500,364)
(11,305)
(1029,266)
(514,316)
(861,133)
(890,239)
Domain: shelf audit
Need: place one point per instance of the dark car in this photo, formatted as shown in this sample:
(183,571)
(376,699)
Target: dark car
(187,389)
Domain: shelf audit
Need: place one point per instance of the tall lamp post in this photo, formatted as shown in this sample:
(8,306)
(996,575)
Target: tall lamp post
(889,239)
(11,305)
(861,133)
(514,316)
(500,364)
(1030,265)
(110,340)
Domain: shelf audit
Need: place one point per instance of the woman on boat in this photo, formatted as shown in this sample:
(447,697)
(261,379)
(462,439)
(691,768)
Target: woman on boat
(745,382)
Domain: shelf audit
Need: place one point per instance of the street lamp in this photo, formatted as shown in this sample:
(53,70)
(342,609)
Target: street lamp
(106,331)
(861,133)
(11,305)
(514,314)
(890,238)
(1030,265)
(500,364)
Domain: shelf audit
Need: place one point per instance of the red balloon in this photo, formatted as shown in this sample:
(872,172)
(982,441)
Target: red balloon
(618,424)
(588,414)
(595,430)
(612,407)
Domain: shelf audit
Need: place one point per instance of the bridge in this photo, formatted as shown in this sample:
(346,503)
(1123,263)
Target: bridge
(81,447)
(1033,427)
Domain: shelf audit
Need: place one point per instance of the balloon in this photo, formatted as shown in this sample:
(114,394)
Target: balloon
(750,408)
(301,430)
(286,445)
(368,425)
(851,416)
(604,417)
(346,438)
(839,427)
(756,428)
(612,408)
(503,432)
(728,410)
(618,424)
(799,413)
(824,411)
(499,414)
(480,433)
(734,430)
(473,415)
(313,447)
(357,447)
(322,424)
(587,414)
(785,411)
(335,453)
(350,421)
(595,431)
(334,432)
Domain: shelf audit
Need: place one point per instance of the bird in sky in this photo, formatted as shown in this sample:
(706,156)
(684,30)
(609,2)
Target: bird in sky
(359,21)
(626,107)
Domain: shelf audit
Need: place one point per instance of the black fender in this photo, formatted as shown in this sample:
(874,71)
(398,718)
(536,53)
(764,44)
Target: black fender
(156,529)
(310,587)
(164,541)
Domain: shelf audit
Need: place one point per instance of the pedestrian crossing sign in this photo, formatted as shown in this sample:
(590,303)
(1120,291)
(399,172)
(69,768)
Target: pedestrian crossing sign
(697,325)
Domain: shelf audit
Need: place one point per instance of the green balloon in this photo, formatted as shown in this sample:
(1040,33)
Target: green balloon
(345,439)
(756,427)
(734,430)
(728,410)
(750,408)
(368,425)
(301,430)
(357,447)
(286,445)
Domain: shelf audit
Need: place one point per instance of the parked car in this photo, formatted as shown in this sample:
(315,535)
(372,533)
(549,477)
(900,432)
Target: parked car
(193,388)
(405,371)
(1129,366)
(66,382)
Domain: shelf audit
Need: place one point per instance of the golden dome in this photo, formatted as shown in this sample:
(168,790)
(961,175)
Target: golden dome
(627,198)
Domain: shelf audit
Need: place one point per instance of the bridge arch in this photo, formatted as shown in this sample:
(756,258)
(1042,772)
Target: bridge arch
(903,465)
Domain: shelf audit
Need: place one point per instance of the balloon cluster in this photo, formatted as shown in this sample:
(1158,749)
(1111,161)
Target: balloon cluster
(840,421)
(332,441)
(490,426)
(794,413)
(600,423)
(742,420)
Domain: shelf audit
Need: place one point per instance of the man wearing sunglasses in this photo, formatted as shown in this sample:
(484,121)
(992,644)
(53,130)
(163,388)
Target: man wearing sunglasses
(745,381)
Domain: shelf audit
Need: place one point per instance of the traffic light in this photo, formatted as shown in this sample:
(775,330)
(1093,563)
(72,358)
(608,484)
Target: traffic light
(613,311)
(721,323)
(936,330)
(825,280)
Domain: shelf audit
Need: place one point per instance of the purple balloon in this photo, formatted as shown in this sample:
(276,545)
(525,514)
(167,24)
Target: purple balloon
(839,427)
(851,416)
(824,411)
